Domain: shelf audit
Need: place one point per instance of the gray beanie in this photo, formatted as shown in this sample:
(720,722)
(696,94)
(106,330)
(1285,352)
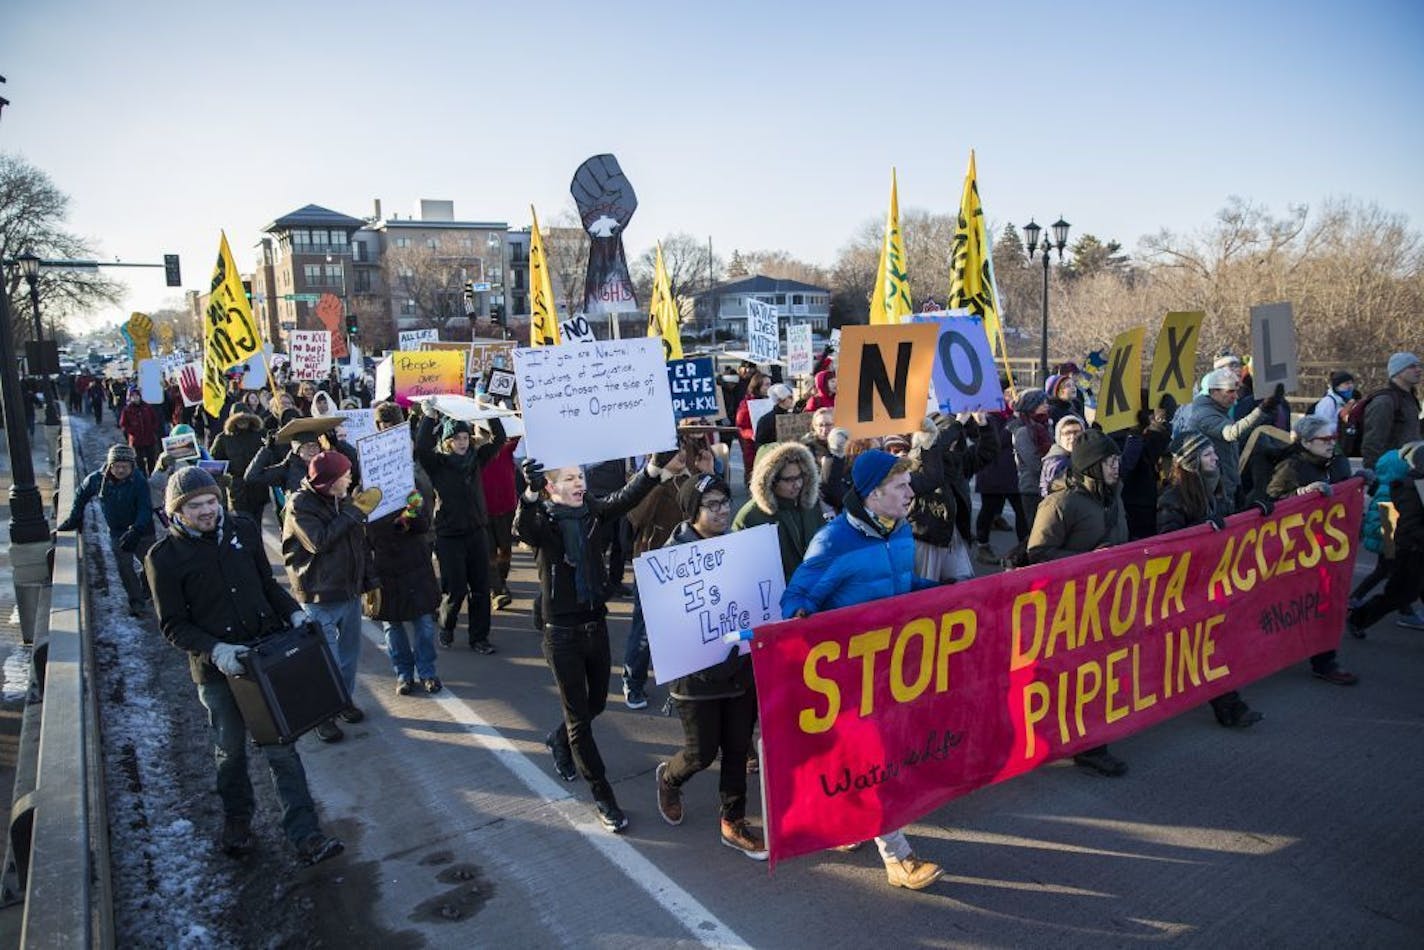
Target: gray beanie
(1312,427)
(187,484)
(1222,378)
(1399,362)
(120,453)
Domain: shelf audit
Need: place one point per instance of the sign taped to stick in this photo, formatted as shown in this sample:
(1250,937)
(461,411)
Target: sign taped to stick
(965,376)
(1273,351)
(799,355)
(763,340)
(883,383)
(1122,388)
(1174,358)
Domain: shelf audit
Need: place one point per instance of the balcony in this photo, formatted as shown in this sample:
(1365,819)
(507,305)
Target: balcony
(335,250)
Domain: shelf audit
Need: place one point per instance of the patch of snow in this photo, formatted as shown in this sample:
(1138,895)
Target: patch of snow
(17,674)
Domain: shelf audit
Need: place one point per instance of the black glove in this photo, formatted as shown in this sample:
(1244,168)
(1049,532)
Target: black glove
(1216,520)
(534,476)
(271,440)
(1269,404)
(1265,506)
(128,541)
(662,458)
(68,524)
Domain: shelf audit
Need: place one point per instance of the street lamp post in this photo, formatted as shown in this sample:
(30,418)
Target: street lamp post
(30,269)
(27,519)
(1056,240)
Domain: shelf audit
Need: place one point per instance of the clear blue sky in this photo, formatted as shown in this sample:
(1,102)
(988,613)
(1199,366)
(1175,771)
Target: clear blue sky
(763,125)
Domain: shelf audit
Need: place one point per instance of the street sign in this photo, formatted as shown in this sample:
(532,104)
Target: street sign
(302,298)
(481,286)
(171,271)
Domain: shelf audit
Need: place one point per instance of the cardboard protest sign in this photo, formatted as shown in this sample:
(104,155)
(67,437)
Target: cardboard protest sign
(501,383)
(178,447)
(694,593)
(1174,358)
(427,373)
(356,424)
(576,329)
(387,463)
(1273,351)
(485,354)
(877,714)
(799,356)
(310,354)
(454,346)
(883,381)
(585,402)
(694,388)
(791,426)
(1121,398)
(763,340)
(965,377)
(411,339)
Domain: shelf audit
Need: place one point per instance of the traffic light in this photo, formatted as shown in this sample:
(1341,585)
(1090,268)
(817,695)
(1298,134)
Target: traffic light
(497,314)
(172,273)
(352,327)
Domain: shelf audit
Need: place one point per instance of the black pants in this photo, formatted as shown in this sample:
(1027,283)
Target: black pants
(579,658)
(710,726)
(1383,567)
(991,505)
(1406,580)
(611,544)
(501,540)
(464,572)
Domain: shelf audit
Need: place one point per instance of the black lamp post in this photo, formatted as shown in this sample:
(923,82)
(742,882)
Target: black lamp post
(30,269)
(1058,240)
(27,518)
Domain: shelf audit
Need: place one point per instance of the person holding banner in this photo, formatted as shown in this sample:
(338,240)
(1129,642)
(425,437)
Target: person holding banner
(560,521)
(867,553)
(1210,414)
(717,705)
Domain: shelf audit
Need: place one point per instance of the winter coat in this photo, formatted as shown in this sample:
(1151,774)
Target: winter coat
(1391,420)
(497,480)
(1388,469)
(1298,468)
(213,589)
(605,478)
(746,434)
(140,423)
(324,548)
(797,520)
(1026,456)
(125,503)
(852,561)
(944,462)
(766,427)
(822,398)
(459,489)
(1001,476)
(1075,521)
(400,550)
(1172,513)
(1409,532)
(1053,471)
(728,679)
(239,442)
(536,526)
(1141,455)
(654,518)
(1226,436)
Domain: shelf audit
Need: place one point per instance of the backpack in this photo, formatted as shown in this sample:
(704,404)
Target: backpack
(1352,424)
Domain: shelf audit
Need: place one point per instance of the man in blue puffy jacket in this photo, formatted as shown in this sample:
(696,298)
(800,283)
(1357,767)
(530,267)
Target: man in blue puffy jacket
(867,553)
(123,496)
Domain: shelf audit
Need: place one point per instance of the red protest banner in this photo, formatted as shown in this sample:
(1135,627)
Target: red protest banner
(875,715)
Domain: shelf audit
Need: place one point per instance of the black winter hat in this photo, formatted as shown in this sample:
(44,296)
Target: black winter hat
(1339,378)
(1090,449)
(689,496)
(186,484)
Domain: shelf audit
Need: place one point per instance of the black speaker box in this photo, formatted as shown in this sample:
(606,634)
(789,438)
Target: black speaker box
(292,684)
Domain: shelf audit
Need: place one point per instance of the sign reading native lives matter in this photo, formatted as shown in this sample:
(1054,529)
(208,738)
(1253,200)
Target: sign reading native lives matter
(1121,397)
(310,354)
(427,373)
(387,464)
(1174,358)
(799,358)
(965,377)
(584,402)
(883,383)
(692,594)
(694,388)
(1273,352)
(876,715)
(763,340)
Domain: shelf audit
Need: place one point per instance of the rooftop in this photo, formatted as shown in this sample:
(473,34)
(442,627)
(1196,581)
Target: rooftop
(757,284)
(314,216)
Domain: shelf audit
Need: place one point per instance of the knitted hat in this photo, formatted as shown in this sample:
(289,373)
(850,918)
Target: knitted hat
(186,484)
(120,453)
(870,469)
(1222,378)
(182,428)
(326,468)
(1226,360)
(689,496)
(1340,378)
(1090,449)
(389,414)
(1399,362)
(1189,453)
(894,443)
(780,391)
(1030,400)
(1312,427)
(452,428)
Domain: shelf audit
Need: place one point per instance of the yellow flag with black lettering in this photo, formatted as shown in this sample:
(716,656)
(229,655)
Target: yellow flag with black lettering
(663,313)
(230,335)
(543,310)
(890,302)
(971,283)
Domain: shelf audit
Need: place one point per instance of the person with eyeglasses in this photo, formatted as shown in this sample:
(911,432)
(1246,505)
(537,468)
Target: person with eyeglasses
(785,491)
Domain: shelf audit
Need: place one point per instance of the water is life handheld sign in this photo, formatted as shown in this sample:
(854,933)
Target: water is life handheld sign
(693,594)
(387,464)
(694,388)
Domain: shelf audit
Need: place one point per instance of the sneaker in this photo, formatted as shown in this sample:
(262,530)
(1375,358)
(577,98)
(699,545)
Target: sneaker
(432,684)
(848,848)
(352,714)
(329,731)
(1410,620)
(1101,762)
(237,837)
(635,697)
(563,760)
(669,798)
(482,647)
(447,637)
(404,686)
(1238,716)
(610,816)
(317,847)
(1356,631)
(746,839)
(985,555)
(912,873)
(753,762)
(502,599)
(1335,676)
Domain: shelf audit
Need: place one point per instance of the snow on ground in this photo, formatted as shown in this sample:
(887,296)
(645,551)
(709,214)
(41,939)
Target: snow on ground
(17,674)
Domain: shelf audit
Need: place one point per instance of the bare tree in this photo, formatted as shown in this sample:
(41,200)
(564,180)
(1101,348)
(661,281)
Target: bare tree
(783,266)
(430,279)
(686,259)
(566,248)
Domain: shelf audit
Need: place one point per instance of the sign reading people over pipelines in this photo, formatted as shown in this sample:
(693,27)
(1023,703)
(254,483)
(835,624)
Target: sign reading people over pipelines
(427,373)
(584,402)
(694,388)
(875,715)
(387,464)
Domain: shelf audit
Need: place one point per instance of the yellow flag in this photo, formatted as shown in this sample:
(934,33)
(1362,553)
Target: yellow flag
(230,335)
(971,283)
(663,313)
(890,303)
(544,312)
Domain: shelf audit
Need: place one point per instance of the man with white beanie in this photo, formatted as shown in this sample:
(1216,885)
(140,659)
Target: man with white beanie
(1392,413)
(1210,416)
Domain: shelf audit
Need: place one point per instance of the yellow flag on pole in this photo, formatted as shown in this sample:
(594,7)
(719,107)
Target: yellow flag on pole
(663,313)
(230,335)
(543,310)
(971,284)
(890,302)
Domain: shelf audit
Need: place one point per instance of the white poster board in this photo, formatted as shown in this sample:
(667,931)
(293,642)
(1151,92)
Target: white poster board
(388,463)
(756,408)
(763,340)
(465,408)
(694,593)
(357,424)
(310,353)
(585,402)
(150,381)
(799,357)
(411,339)
(385,379)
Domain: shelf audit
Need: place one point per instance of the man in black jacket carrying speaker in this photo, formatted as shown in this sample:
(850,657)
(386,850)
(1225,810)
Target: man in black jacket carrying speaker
(214,591)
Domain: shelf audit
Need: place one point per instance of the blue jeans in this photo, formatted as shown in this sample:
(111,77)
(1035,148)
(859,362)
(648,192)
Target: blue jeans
(636,653)
(403,661)
(230,752)
(341,622)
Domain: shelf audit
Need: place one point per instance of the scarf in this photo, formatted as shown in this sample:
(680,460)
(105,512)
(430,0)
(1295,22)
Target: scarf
(187,530)
(577,551)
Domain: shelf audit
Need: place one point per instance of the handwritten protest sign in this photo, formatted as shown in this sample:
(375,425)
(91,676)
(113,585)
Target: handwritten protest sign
(694,388)
(584,402)
(763,340)
(452,346)
(799,358)
(485,354)
(883,383)
(1174,358)
(501,383)
(965,378)
(1273,351)
(357,423)
(791,426)
(427,373)
(310,353)
(387,464)
(411,339)
(694,593)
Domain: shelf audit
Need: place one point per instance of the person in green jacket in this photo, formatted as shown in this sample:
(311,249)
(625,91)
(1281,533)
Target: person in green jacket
(785,490)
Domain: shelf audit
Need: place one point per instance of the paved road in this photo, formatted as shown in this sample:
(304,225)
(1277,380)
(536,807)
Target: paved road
(1304,831)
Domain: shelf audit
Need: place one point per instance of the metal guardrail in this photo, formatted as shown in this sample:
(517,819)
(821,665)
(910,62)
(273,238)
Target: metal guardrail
(58,833)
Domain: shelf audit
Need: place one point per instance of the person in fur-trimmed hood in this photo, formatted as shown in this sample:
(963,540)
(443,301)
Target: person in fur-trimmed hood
(785,490)
(242,437)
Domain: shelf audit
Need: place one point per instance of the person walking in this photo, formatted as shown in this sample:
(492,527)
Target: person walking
(1210,414)
(139,424)
(124,499)
(241,439)
(406,594)
(1391,415)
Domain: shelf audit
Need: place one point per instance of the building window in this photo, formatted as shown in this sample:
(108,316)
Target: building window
(301,237)
(402,242)
(338,237)
(779,300)
(363,280)
(407,308)
(334,275)
(432,243)
(797,299)
(311,274)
